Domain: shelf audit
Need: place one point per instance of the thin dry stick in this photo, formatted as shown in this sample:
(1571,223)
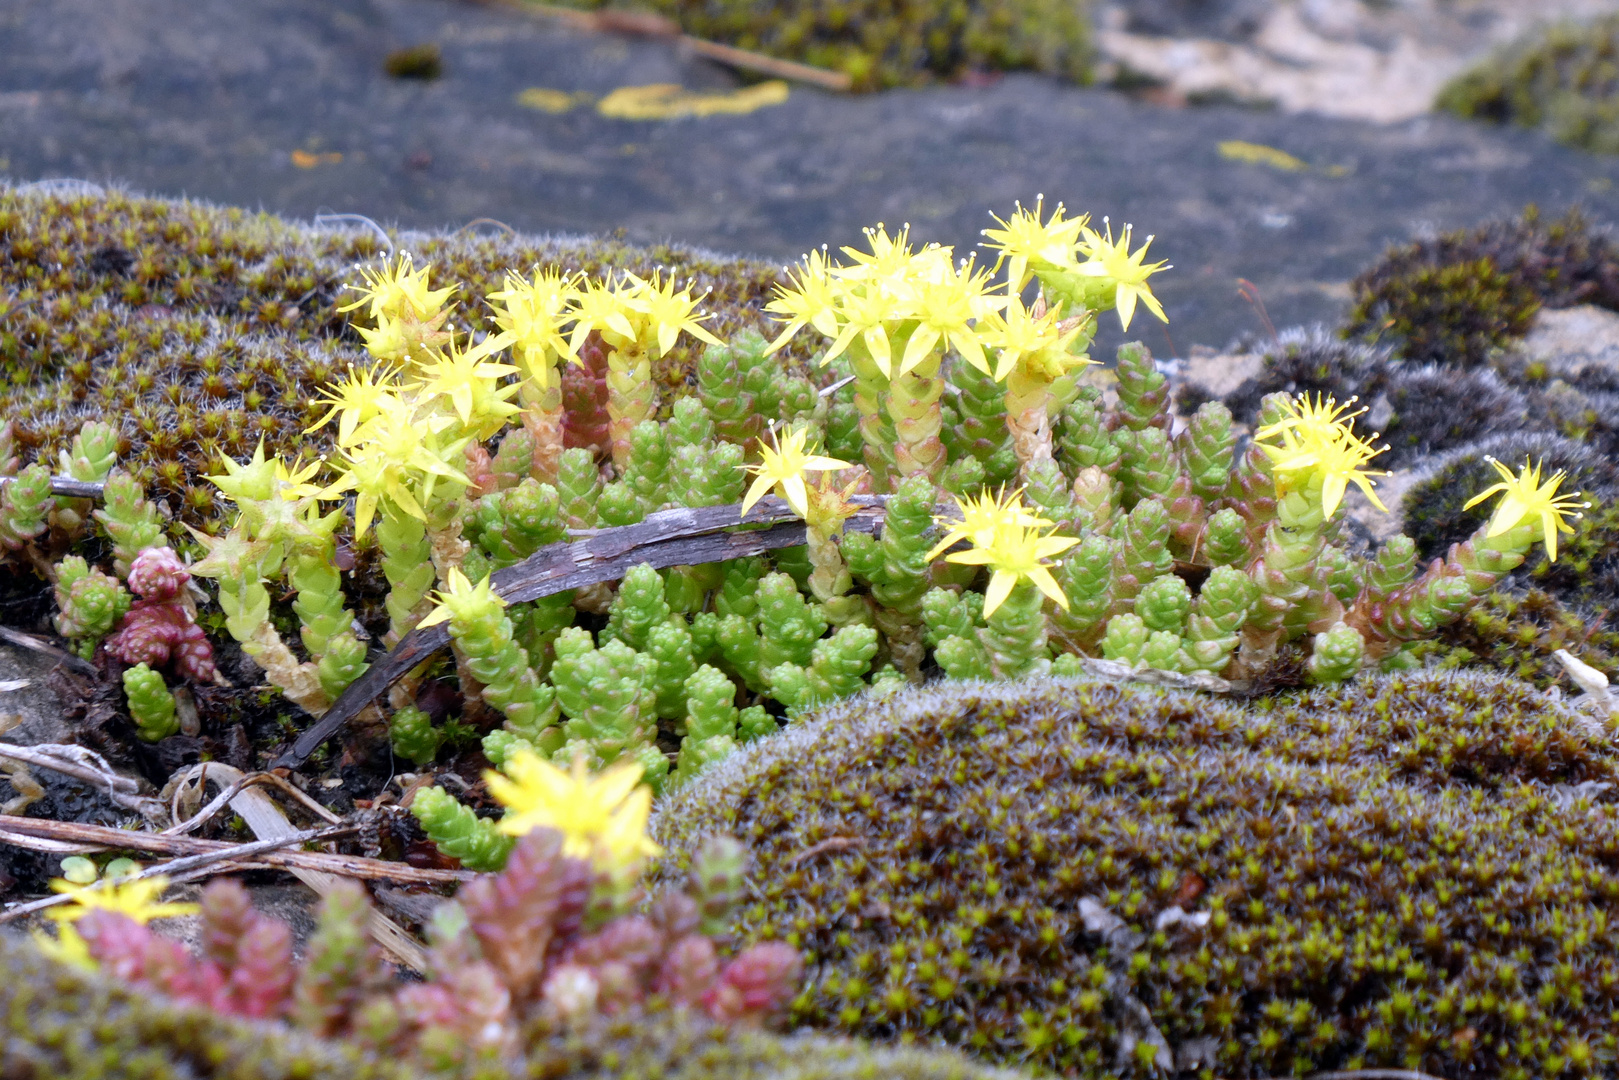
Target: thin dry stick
(218,803)
(71,488)
(91,767)
(183,866)
(1374,1074)
(645,25)
(302,796)
(266,820)
(45,648)
(104,837)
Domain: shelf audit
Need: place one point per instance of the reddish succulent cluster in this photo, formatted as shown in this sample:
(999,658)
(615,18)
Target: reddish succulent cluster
(518,955)
(159,626)
(584,397)
(245,970)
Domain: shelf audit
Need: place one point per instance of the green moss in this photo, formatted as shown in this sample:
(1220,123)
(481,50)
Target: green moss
(196,331)
(1563,78)
(1397,872)
(894,44)
(66,1026)
(1453,313)
(1517,631)
(1456,297)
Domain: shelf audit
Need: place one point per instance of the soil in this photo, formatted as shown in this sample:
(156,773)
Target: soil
(286,105)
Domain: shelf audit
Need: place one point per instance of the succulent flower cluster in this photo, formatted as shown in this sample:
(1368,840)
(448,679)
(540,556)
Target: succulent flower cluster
(160,627)
(1134,535)
(514,957)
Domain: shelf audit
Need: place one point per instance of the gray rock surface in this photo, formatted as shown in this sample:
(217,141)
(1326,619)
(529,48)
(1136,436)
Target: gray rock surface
(226,99)
(1576,340)
(1381,60)
(31,713)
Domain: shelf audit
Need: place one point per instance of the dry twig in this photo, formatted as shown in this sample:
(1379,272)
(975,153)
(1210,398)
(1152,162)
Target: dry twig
(641,24)
(92,768)
(267,821)
(185,869)
(45,648)
(105,837)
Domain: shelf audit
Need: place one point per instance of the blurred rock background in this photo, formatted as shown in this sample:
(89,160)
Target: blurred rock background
(1285,143)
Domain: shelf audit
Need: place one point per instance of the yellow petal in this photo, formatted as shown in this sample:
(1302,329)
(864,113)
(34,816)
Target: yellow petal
(1000,587)
(1048,546)
(797,496)
(969,348)
(877,345)
(1367,487)
(1047,584)
(1507,515)
(840,343)
(701,333)
(1125,298)
(760,488)
(1481,496)
(923,339)
(826,321)
(615,785)
(974,557)
(1332,493)
(785,336)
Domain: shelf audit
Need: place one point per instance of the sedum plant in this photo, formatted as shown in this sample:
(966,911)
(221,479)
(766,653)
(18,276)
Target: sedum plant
(1028,521)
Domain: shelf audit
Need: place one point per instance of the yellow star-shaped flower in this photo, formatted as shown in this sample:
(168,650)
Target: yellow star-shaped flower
(945,301)
(782,469)
(398,290)
(471,384)
(1318,441)
(1040,344)
(1016,552)
(356,399)
(399,457)
(889,259)
(462,599)
(137,900)
(981,517)
(667,313)
(602,818)
(811,300)
(531,315)
(1524,498)
(1025,238)
(604,307)
(1129,271)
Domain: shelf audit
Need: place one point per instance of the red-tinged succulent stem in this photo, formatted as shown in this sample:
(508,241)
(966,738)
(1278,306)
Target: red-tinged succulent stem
(631,396)
(913,406)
